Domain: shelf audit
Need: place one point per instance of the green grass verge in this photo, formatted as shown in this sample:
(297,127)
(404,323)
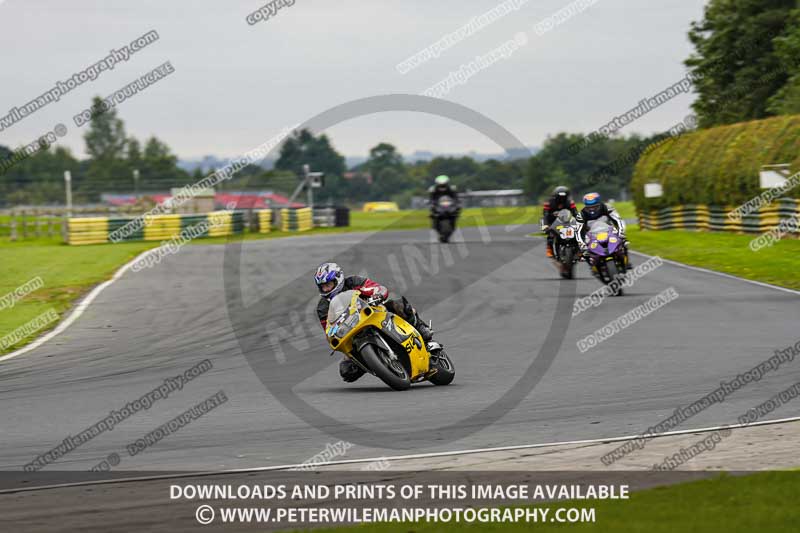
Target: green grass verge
(765,502)
(625,209)
(725,252)
(69,272)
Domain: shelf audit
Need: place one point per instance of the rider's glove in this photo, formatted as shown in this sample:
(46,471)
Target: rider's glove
(545,227)
(377,293)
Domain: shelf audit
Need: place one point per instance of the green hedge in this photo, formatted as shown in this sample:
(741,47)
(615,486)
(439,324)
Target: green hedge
(717,166)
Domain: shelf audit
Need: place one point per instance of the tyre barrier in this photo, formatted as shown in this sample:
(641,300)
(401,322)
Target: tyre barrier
(97,230)
(331,217)
(263,220)
(716,218)
(324,217)
(297,219)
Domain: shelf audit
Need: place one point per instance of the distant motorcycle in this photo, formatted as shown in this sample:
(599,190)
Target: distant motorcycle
(606,254)
(566,250)
(445,213)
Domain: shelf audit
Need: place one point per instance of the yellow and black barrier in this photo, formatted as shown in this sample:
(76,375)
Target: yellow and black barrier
(264,220)
(97,230)
(87,230)
(716,218)
(301,219)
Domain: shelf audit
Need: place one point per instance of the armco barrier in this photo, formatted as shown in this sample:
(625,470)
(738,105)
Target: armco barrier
(296,219)
(715,218)
(96,230)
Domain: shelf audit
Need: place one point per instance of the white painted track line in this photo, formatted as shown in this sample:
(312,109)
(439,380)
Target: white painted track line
(605,440)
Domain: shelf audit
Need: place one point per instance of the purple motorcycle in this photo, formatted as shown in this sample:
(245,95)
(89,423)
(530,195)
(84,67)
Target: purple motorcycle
(607,258)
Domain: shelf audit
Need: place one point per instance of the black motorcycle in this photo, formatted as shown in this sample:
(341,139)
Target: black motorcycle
(566,250)
(444,213)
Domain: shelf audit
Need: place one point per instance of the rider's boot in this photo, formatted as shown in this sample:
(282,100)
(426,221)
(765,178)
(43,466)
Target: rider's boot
(415,320)
(422,327)
(349,371)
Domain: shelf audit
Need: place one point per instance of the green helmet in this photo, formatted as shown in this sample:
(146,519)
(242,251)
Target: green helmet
(442,180)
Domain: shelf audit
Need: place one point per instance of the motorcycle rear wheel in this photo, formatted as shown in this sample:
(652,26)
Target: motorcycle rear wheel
(379,363)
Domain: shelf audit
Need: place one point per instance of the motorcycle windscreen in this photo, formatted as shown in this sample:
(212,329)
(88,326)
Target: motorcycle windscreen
(564,216)
(598,228)
(339,305)
(602,220)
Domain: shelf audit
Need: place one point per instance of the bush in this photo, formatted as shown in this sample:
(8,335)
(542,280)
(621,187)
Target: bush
(717,166)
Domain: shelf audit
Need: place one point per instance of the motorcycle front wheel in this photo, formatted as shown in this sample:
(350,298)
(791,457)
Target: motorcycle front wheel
(568,263)
(445,230)
(388,370)
(445,372)
(614,274)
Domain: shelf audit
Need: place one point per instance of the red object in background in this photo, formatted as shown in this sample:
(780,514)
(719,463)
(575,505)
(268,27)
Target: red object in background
(253,200)
(256,200)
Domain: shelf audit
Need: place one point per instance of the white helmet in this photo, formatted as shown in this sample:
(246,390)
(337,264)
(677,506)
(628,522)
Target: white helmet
(328,272)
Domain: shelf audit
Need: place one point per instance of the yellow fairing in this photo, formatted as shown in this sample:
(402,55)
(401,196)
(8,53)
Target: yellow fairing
(415,346)
(377,316)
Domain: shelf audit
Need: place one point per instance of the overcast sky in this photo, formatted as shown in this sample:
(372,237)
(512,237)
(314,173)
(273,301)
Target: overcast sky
(236,85)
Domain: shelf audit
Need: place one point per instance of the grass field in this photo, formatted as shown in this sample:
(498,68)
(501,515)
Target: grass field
(725,252)
(765,502)
(625,209)
(68,272)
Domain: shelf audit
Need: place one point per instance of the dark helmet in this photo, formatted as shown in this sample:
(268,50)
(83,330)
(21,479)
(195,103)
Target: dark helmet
(561,192)
(560,197)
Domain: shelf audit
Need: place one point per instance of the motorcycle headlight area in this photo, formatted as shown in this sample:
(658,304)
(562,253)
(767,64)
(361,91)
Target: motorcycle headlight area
(343,324)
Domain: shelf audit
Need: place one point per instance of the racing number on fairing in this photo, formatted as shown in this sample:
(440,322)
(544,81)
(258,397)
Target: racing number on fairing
(409,345)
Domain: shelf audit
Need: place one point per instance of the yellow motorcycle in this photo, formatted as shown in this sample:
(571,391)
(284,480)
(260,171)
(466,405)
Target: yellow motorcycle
(384,344)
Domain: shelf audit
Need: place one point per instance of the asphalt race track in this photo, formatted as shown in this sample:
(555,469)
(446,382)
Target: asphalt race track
(493,299)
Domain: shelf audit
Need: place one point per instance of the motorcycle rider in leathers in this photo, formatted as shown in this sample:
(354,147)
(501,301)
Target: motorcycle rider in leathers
(330,280)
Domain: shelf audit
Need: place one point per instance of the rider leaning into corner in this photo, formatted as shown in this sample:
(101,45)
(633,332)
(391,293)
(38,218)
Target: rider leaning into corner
(442,187)
(330,280)
(593,209)
(561,199)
